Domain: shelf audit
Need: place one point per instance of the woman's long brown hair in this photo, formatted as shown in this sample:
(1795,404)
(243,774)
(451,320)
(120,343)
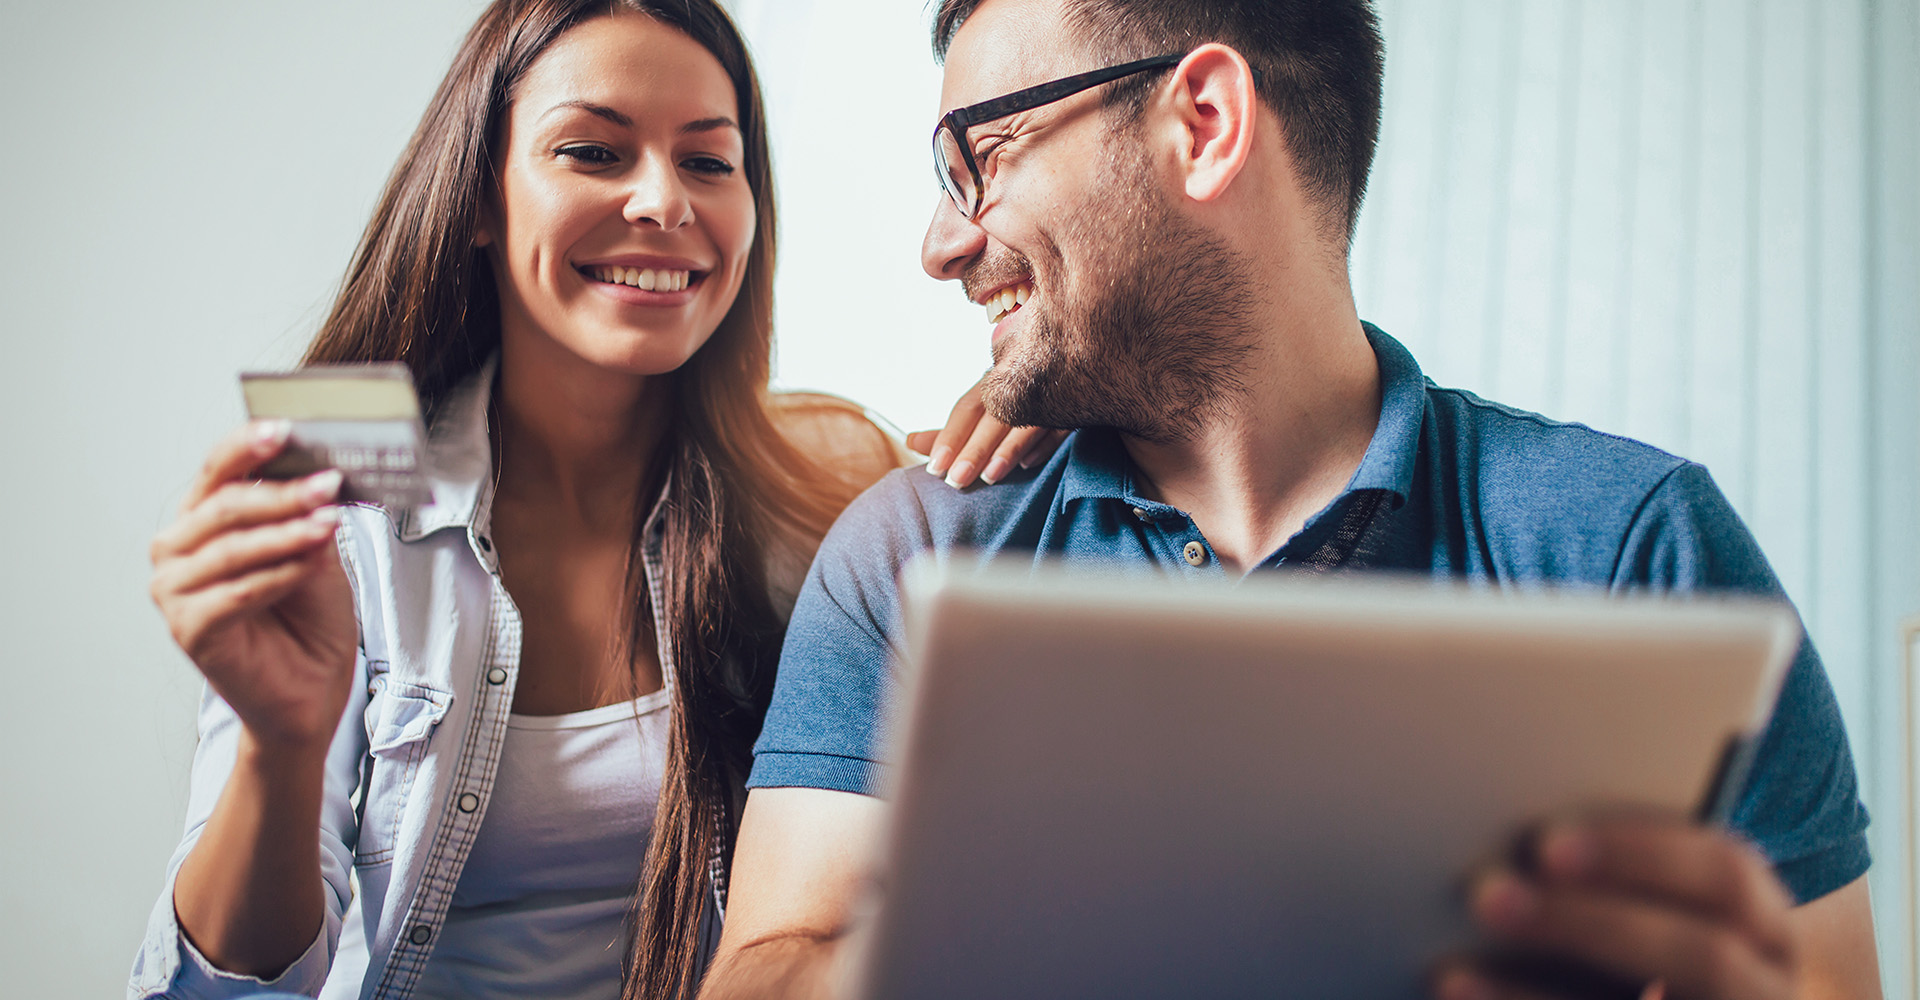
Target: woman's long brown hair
(419,291)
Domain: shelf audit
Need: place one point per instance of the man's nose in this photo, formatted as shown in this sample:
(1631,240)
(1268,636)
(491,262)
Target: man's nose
(657,196)
(952,240)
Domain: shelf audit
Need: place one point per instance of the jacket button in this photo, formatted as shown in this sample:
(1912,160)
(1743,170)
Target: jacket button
(1196,554)
(1140,513)
(497,675)
(420,934)
(469,802)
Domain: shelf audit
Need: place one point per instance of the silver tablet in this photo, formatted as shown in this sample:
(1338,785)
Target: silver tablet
(1123,786)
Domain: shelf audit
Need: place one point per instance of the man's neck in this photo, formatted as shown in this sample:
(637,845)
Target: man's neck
(1277,452)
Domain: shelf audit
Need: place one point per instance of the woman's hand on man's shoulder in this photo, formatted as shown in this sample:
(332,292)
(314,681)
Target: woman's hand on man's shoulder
(977,445)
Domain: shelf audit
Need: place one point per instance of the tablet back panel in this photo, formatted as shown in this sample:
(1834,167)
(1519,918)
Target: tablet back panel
(1125,787)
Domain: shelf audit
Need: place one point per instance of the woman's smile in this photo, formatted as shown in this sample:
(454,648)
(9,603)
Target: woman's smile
(643,280)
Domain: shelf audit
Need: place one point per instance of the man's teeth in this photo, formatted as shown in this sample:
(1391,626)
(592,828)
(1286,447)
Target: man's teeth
(646,279)
(1006,300)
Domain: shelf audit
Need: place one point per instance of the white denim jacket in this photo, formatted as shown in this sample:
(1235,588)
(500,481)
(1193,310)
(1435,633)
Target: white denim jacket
(412,765)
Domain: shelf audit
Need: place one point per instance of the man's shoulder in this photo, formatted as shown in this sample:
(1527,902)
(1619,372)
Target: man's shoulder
(912,505)
(1515,458)
(1512,440)
(1552,499)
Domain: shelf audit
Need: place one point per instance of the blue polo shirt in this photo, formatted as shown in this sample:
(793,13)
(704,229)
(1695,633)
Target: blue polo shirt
(1451,485)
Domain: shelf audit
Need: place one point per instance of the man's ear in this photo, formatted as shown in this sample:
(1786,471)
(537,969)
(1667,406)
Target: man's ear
(1216,109)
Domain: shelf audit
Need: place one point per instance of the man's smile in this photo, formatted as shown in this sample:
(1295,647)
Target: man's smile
(1002,303)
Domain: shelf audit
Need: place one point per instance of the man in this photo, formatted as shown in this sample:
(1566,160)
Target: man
(1162,249)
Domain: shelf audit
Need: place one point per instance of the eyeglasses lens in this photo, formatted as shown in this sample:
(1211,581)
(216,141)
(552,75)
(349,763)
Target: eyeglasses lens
(951,165)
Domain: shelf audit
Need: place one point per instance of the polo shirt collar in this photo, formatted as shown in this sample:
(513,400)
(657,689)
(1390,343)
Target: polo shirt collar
(1395,448)
(1098,466)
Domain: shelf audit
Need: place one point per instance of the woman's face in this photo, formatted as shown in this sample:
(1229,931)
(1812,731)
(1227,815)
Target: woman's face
(623,219)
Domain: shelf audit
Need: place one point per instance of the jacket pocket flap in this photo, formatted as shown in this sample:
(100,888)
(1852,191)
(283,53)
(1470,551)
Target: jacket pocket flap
(404,713)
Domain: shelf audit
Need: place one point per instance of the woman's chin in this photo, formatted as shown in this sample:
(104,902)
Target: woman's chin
(616,351)
(640,360)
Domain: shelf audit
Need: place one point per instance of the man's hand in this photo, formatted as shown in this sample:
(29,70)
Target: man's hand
(1675,909)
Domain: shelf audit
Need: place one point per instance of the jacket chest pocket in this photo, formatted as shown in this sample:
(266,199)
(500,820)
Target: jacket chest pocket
(401,718)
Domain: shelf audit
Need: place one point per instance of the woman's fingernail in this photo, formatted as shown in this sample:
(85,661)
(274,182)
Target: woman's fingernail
(1505,902)
(268,434)
(938,458)
(961,474)
(322,486)
(995,469)
(1459,984)
(327,516)
(1569,852)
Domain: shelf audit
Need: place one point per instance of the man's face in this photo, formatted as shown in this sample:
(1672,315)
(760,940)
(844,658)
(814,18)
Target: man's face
(1125,312)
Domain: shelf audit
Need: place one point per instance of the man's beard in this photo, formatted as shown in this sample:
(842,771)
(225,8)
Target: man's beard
(1154,340)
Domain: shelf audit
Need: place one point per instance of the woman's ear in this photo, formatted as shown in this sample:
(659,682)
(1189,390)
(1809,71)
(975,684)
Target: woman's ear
(1217,109)
(486,228)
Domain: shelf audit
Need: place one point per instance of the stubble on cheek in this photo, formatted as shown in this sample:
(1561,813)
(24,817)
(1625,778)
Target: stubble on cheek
(1146,333)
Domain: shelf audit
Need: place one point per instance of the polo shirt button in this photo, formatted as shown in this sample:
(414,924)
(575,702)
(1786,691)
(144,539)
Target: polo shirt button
(1196,554)
(497,675)
(373,688)
(469,802)
(1140,513)
(420,934)
(486,544)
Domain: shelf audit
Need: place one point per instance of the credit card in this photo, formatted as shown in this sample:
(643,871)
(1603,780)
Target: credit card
(361,419)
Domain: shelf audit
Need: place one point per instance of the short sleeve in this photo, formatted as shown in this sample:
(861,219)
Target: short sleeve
(1801,804)
(826,724)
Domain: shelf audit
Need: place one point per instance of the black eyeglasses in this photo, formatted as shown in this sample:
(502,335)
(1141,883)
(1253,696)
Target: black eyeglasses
(953,156)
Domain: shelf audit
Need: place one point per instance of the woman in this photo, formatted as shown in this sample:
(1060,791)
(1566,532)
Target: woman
(486,709)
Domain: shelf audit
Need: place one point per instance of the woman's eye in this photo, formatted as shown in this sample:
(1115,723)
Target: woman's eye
(710,165)
(588,154)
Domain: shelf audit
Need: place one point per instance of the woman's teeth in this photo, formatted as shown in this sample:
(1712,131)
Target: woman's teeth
(1006,300)
(646,279)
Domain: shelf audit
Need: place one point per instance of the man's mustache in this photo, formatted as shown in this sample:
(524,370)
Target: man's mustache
(994,270)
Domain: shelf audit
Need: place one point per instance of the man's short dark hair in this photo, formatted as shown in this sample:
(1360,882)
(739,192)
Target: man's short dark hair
(1319,63)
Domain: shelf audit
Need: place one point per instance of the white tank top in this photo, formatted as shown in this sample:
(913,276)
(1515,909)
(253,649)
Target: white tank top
(541,906)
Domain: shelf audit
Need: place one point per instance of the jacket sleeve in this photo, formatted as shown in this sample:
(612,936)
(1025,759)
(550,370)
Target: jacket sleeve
(168,965)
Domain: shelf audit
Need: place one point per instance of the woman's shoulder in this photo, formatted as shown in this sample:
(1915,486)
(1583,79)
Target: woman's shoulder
(837,433)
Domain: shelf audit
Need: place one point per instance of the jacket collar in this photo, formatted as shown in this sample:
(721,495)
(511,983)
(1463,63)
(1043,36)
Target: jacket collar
(458,463)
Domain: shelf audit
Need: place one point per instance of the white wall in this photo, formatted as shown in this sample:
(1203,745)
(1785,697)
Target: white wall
(181,185)
(852,93)
(1694,222)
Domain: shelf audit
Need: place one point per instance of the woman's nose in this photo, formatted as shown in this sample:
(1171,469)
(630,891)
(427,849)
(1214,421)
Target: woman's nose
(657,196)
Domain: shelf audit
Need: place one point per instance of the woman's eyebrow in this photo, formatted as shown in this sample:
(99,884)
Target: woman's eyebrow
(709,125)
(598,110)
(602,111)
